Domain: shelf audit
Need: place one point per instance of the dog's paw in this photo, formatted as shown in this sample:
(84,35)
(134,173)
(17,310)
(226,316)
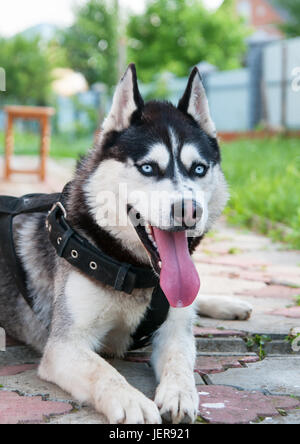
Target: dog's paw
(231,309)
(178,404)
(221,307)
(126,405)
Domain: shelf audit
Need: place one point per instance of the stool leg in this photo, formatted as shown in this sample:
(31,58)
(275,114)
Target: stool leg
(45,145)
(9,146)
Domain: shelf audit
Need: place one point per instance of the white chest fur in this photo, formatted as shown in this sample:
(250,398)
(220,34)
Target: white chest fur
(105,318)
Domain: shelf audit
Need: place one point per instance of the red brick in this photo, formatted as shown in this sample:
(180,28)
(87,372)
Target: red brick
(292,312)
(227,405)
(205,332)
(274,292)
(16,369)
(16,409)
(207,364)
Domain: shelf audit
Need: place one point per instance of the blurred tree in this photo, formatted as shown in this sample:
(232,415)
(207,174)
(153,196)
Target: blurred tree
(28,71)
(92,42)
(174,35)
(292,26)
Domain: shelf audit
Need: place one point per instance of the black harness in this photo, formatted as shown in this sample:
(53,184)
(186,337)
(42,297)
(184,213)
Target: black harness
(80,253)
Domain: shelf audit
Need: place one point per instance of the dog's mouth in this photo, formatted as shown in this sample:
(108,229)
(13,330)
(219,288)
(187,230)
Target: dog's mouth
(170,258)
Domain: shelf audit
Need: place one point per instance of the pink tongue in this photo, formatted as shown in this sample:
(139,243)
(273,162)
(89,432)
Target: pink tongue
(179,278)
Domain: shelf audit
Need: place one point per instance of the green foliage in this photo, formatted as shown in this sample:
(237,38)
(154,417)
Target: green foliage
(63,145)
(91,43)
(86,126)
(292,27)
(297,300)
(28,70)
(291,337)
(258,341)
(264,180)
(174,35)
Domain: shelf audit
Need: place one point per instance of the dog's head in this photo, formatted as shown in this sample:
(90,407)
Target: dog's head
(157,178)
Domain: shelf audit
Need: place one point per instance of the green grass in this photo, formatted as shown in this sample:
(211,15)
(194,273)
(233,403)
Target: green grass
(62,145)
(264,179)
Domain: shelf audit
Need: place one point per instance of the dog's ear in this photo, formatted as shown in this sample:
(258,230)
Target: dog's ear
(194,102)
(127,100)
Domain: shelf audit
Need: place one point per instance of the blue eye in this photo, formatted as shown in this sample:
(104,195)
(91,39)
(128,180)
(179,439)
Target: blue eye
(200,170)
(147,169)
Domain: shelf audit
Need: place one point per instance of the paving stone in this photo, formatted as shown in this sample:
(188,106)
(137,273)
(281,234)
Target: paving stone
(289,274)
(58,174)
(227,405)
(86,415)
(223,345)
(277,375)
(274,291)
(241,261)
(208,365)
(291,417)
(257,276)
(28,383)
(140,375)
(215,332)
(16,369)
(18,355)
(141,359)
(226,286)
(16,409)
(292,312)
(278,347)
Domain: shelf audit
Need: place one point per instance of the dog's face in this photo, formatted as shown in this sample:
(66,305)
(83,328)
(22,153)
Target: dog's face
(159,178)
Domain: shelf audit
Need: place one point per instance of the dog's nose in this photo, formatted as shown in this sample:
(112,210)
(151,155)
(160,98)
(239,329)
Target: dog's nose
(186,213)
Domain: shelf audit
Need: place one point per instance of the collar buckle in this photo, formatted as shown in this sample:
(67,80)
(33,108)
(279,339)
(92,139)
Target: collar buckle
(54,207)
(61,207)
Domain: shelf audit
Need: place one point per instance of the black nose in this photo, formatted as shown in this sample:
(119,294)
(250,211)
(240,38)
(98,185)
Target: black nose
(186,213)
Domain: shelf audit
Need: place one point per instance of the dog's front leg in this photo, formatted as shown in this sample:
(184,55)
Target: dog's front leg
(90,379)
(174,359)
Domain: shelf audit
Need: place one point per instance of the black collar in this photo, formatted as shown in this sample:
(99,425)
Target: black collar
(91,260)
(97,265)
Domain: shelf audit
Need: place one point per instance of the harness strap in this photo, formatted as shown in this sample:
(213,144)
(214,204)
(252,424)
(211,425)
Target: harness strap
(82,255)
(155,316)
(9,208)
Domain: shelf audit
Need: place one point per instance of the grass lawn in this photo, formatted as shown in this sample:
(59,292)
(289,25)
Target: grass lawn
(264,179)
(62,145)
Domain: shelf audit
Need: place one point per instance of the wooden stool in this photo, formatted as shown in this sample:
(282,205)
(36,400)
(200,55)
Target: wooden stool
(42,115)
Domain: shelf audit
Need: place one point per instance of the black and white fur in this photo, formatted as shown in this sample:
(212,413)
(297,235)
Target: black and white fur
(87,319)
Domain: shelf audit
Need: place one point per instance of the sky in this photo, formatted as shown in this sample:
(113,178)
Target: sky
(17,15)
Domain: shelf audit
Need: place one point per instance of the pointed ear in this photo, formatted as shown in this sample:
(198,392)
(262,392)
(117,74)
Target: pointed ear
(126,101)
(194,102)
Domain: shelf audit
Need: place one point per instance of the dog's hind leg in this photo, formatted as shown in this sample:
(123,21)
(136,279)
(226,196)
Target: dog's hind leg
(223,307)
(173,359)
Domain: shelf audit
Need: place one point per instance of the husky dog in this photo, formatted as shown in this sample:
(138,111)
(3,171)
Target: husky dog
(148,147)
